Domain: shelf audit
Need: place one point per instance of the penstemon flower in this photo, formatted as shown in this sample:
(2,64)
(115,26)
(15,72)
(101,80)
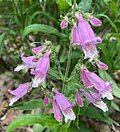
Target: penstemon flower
(86,33)
(19,92)
(28,62)
(95,99)
(41,70)
(83,35)
(62,106)
(104,88)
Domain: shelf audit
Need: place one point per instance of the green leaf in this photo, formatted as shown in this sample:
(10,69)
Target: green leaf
(85,5)
(109,51)
(29,119)
(37,103)
(1,42)
(110,21)
(84,128)
(72,85)
(53,72)
(104,75)
(42,28)
(95,113)
(114,6)
(41,13)
(115,106)
(62,4)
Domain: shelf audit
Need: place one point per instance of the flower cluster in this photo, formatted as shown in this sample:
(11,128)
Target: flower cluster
(94,90)
(94,87)
(39,65)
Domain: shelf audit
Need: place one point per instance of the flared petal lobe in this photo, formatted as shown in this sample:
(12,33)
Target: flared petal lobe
(69,115)
(95,99)
(90,51)
(28,62)
(19,92)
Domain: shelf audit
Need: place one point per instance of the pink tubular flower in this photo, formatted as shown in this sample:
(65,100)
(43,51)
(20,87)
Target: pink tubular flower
(41,70)
(28,62)
(78,99)
(82,34)
(95,21)
(95,99)
(101,65)
(64,24)
(38,49)
(19,92)
(86,33)
(62,106)
(46,100)
(104,88)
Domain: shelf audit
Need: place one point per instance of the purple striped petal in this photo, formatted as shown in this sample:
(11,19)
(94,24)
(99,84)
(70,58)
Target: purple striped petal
(56,111)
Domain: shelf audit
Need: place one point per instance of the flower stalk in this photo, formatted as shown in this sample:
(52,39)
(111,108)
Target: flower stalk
(69,53)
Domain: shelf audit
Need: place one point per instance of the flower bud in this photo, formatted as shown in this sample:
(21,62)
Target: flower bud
(95,21)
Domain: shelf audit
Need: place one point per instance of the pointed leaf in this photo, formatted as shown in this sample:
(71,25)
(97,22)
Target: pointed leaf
(37,103)
(42,28)
(30,119)
(104,75)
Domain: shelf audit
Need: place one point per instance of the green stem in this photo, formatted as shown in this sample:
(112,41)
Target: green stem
(68,66)
(70,48)
(69,61)
(69,55)
(74,7)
